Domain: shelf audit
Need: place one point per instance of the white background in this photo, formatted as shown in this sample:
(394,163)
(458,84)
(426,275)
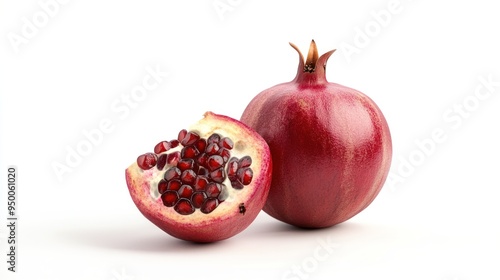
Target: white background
(437,218)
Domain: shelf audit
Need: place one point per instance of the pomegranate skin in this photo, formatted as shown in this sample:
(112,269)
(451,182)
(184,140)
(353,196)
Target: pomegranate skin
(330,144)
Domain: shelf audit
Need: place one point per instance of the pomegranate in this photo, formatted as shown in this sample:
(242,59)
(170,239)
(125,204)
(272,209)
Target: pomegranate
(208,184)
(330,144)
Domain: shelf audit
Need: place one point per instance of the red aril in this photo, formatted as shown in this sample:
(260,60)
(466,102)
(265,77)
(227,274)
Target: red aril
(185,189)
(330,144)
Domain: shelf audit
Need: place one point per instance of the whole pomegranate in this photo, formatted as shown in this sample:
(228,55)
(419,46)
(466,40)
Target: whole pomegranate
(206,185)
(330,144)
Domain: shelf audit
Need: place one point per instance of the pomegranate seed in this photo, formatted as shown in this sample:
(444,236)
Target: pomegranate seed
(174,185)
(190,139)
(213,190)
(161,147)
(162,160)
(185,164)
(237,185)
(186,191)
(202,159)
(226,142)
(181,135)
(245,161)
(172,173)
(173,158)
(209,205)
(198,198)
(169,198)
(200,145)
(214,138)
(218,175)
(214,162)
(203,172)
(147,161)
(174,143)
(212,149)
(245,175)
(225,154)
(162,186)
(189,152)
(184,207)
(188,176)
(232,168)
(200,183)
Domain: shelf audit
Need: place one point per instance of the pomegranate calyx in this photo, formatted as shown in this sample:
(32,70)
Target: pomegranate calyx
(312,58)
(307,71)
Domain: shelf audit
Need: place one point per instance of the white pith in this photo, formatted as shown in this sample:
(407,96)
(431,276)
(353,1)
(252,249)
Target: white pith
(232,197)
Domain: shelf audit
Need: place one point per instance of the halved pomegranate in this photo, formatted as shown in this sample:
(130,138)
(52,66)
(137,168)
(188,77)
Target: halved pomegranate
(208,184)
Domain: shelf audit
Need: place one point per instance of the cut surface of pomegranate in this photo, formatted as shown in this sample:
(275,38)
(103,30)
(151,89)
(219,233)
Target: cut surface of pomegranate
(192,187)
(330,144)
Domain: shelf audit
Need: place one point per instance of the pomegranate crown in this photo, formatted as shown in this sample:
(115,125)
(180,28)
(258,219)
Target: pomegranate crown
(308,70)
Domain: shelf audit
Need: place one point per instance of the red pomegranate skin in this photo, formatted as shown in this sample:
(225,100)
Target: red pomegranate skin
(330,144)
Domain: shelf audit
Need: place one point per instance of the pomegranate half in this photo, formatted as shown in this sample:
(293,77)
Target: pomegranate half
(330,144)
(208,184)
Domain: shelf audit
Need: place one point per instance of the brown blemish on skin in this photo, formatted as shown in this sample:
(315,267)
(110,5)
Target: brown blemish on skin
(242,208)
